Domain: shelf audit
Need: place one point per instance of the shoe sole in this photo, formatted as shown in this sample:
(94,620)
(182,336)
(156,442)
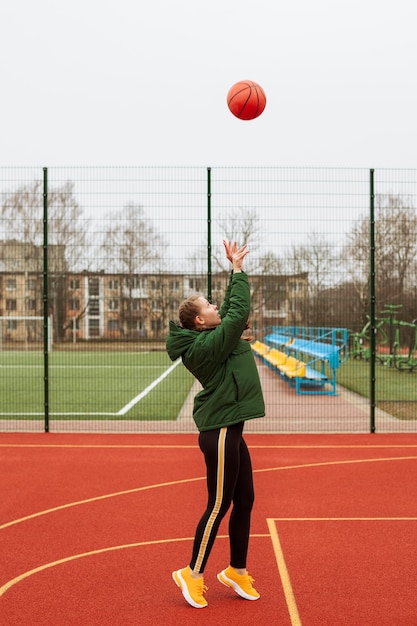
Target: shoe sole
(180,582)
(228,582)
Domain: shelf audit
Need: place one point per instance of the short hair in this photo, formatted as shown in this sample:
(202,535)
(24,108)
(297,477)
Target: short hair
(188,311)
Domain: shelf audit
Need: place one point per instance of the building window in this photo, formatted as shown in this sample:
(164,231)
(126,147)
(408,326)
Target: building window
(137,282)
(195,284)
(93,307)
(156,326)
(74,304)
(136,325)
(94,287)
(11,305)
(113,305)
(297,287)
(74,284)
(94,328)
(11,284)
(113,325)
(114,285)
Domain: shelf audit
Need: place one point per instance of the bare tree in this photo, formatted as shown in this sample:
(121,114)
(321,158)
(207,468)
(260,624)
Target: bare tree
(319,259)
(130,243)
(22,214)
(241,225)
(395,251)
(22,217)
(131,247)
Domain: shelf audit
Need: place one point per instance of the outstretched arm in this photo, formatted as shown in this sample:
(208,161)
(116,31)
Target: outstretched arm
(235,255)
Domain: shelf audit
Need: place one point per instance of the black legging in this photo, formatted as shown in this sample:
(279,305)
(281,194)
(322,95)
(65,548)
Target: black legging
(229,479)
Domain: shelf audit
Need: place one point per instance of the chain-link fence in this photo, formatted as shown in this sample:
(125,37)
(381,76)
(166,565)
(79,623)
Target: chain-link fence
(94,263)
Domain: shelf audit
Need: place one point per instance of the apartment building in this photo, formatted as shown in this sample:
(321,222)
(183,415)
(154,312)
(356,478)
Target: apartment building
(93,306)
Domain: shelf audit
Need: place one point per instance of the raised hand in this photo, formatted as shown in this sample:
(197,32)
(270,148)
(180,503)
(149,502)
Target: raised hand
(230,248)
(235,255)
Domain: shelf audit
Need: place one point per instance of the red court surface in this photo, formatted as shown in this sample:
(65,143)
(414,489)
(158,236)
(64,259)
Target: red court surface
(91,527)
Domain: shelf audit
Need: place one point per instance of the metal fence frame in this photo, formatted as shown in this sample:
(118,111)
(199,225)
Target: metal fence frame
(209,195)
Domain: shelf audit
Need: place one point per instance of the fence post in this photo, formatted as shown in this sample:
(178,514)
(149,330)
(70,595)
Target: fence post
(45,301)
(209,275)
(372,360)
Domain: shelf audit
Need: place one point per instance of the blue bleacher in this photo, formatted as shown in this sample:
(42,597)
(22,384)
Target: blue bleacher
(321,349)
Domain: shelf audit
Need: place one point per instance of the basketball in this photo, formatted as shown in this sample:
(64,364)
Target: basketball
(246,100)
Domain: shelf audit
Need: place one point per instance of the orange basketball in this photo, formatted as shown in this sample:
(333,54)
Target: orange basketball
(246,100)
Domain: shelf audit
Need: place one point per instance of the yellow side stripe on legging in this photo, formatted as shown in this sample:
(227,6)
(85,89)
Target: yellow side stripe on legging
(219,497)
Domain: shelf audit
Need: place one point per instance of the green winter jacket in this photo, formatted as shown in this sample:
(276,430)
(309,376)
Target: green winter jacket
(222,362)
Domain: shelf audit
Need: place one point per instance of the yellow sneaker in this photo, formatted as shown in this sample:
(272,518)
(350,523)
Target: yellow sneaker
(192,588)
(242,584)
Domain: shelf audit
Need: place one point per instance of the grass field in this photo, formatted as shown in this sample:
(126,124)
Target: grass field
(396,391)
(122,385)
(131,385)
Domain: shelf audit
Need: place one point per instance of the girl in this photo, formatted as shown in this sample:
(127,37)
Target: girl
(210,345)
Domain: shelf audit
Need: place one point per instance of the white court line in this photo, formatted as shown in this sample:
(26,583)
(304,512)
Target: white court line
(122,411)
(52,414)
(80,366)
(145,392)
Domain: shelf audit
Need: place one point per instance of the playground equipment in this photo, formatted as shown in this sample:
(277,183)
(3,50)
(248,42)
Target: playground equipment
(396,341)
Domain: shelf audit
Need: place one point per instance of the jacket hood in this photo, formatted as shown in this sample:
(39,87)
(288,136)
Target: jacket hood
(179,340)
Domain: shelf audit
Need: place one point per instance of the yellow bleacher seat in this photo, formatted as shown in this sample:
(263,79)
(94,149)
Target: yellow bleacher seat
(276,357)
(293,367)
(260,348)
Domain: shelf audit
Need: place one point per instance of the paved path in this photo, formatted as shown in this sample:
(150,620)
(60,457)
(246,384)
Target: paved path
(287,412)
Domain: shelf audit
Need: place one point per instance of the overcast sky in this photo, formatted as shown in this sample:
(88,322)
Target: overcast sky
(144,82)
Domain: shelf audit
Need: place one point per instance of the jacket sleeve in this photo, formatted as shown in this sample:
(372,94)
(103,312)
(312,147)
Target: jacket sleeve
(224,338)
(226,302)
